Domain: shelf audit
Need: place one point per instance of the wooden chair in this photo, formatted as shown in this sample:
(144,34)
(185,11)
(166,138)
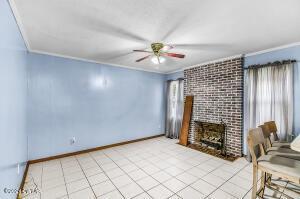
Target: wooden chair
(277,150)
(283,167)
(272,128)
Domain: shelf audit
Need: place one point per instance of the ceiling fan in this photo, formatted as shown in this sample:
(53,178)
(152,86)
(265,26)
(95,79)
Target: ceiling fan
(159,50)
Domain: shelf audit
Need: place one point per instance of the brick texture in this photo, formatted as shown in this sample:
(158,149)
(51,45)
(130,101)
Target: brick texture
(218,94)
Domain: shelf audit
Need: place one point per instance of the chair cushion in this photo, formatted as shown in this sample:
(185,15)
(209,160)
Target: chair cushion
(283,152)
(295,145)
(282,165)
(281,144)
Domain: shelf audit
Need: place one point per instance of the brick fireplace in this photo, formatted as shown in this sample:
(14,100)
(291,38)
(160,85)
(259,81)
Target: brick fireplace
(218,95)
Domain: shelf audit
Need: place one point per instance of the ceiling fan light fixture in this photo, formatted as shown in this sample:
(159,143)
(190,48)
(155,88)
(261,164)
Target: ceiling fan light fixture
(166,48)
(154,60)
(159,50)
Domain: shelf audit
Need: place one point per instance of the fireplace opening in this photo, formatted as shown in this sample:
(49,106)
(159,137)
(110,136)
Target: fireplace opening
(211,135)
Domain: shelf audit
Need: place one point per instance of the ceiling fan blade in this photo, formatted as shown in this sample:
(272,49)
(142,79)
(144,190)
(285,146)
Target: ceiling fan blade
(119,55)
(143,58)
(174,55)
(144,51)
(202,46)
(98,25)
(166,48)
(173,27)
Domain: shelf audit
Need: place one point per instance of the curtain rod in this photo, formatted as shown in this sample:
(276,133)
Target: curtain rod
(180,78)
(276,63)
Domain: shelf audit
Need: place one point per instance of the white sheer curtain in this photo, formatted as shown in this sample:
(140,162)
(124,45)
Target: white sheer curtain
(174,108)
(270,97)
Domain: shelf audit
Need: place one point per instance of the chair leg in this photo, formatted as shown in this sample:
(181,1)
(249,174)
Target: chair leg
(254,188)
(269,178)
(262,184)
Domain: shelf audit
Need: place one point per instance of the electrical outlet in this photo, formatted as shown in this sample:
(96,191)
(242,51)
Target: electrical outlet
(159,126)
(72,140)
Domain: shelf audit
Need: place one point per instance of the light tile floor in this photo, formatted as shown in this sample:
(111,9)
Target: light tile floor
(157,168)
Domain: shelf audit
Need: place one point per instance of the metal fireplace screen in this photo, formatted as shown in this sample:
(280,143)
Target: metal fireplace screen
(210,134)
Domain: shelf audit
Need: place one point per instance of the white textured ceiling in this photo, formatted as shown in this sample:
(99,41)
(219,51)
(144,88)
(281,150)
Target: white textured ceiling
(106,31)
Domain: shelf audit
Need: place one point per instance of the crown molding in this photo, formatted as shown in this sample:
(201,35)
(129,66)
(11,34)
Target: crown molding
(211,62)
(272,49)
(240,55)
(26,41)
(175,71)
(18,20)
(93,61)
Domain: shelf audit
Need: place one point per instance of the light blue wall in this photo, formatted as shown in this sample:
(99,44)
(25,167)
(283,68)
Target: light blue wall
(13,137)
(282,54)
(174,76)
(45,101)
(96,104)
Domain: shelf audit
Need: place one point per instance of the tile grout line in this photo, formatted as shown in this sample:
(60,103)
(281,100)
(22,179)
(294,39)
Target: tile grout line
(175,193)
(109,179)
(171,155)
(211,184)
(78,172)
(232,183)
(110,169)
(161,183)
(210,172)
(64,177)
(32,179)
(195,181)
(42,166)
(251,180)
(235,174)
(141,150)
(42,180)
(85,178)
(201,179)
(209,158)
(148,175)
(126,157)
